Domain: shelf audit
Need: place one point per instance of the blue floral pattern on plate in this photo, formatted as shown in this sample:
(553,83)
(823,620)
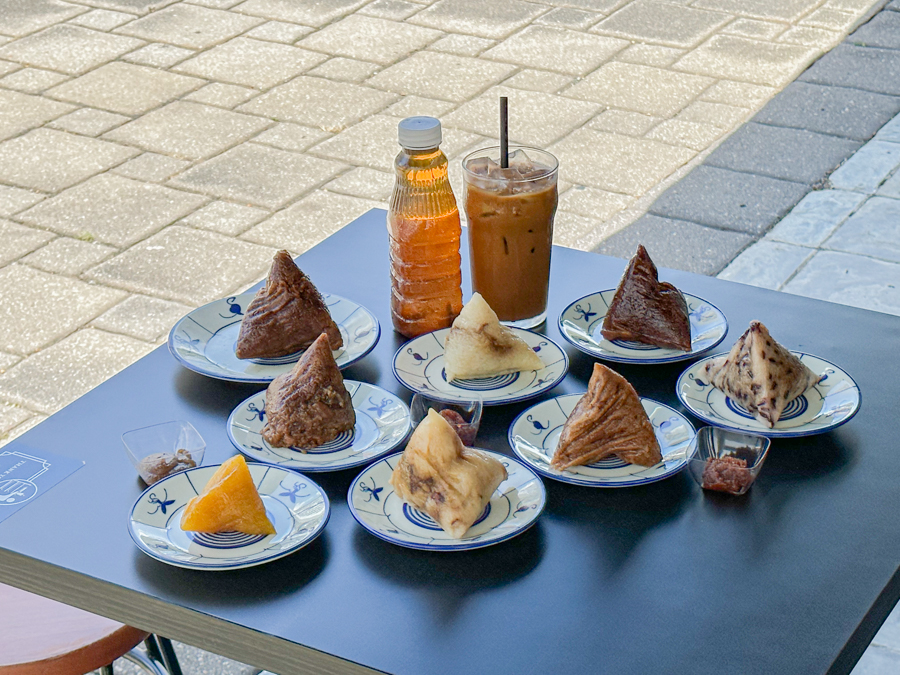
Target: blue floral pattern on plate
(826,406)
(514,507)
(297,507)
(204,340)
(382,423)
(534,435)
(419,366)
(580,324)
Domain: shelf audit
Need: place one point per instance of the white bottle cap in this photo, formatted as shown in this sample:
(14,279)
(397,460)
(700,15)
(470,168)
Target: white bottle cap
(419,133)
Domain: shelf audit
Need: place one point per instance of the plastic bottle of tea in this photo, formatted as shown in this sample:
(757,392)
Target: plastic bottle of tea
(423,224)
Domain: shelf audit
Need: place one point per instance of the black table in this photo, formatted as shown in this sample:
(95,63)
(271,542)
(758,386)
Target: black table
(794,578)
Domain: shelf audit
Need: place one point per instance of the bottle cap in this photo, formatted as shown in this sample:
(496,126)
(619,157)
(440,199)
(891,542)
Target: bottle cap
(419,133)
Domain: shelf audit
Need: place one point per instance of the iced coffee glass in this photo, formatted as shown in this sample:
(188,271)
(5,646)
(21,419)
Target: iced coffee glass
(510,227)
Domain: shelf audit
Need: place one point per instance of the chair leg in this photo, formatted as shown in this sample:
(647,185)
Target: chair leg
(107,670)
(144,662)
(153,649)
(169,657)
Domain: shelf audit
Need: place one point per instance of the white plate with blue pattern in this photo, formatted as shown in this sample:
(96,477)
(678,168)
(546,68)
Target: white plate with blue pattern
(204,340)
(534,435)
(580,324)
(823,407)
(419,366)
(514,507)
(382,423)
(297,507)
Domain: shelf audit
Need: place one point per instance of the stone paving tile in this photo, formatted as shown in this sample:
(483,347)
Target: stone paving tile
(889,633)
(767,264)
(68,256)
(141,317)
(190,26)
(50,160)
(228,265)
(125,88)
(189,130)
(27,425)
(364,183)
(307,222)
(13,200)
(370,39)
(315,14)
(890,131)
(39,308)
(69,369)
(593,203)
(493,20)
(279,31)
(624,122)
(221,95)
(345,70)
(717,114)
(650,55)
(331,106)
(663,23)
(257,174)
(689,134)
(11,416)
(289,136)
(729,200)
(150,166)
(878,660)
(462,45)
(21,17)
(416,105)
(755,29)
(139,7)
(225,218)
(811,37)
(88,122)
(19,241)
(737,93)
(856,67)
(873,231)
(7,361)
(538,80)
(559,49)
(32,80)
(868,168)
(789,154)
(159,55)
(616,163)
(102,19)
(779,10)
(113,209)
(535,118)
(849,279)
(891,187)
(605,6)
(652,91)
(677,244)
(437,75)
(391,9)
(252,63)
(68,49)
(6,66)
(568,17)
(817,215)
(20,112)
(737,58)
(569,228)
(830,19)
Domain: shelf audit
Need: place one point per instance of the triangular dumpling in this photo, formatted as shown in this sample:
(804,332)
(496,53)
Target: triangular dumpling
(309,405)
(608,420)
(647,310)
(478,345)
(286,315)
(449,482)
(760,374)
(228,503)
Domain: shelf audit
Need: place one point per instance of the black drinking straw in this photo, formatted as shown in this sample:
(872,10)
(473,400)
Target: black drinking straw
(504,133)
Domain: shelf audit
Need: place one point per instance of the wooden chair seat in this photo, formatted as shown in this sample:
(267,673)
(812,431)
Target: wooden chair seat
(43,637)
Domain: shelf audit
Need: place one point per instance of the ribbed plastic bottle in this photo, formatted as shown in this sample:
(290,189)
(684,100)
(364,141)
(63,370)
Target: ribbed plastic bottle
(424,229)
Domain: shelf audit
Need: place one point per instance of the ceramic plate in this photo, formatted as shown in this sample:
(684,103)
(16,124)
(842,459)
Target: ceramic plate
(204,340)
(581,321)
(419,366)
(382,423)
(821,408)
(297,507)
(535,433)
(515,506)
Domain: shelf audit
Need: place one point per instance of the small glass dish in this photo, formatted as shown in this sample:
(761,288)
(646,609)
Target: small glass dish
(469,411)
(163,449)
(713,454)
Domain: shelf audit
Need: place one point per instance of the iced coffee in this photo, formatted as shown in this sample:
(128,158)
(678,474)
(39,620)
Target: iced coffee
(510,226)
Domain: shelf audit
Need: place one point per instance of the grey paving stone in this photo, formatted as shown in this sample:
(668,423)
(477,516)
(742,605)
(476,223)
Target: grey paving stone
(39,308)
(19,240)
(20,112)
(257,174)
(189,130)
(20,17)
(13,200)
(874,231)
(113,209)
(32,80)
(228,265)
(753,28)
(484,19)
(624,122)
(252,63)
(190,26)
(462,45)
(150,166)
(677,244)
(789,154)
(89,122)
(569,17)
(830,110)
(891,187)
(139,7)
(878,660)
(883,30)
(729,200)
(538,80)
(650,55)
(889,633)
(68,256)
(141,317)
(102,19)
(593,203)
(307,13)
(391,9)
(159,55)
(662,23)
(27,425)
(68,49)
(7,361)
(696,136)
(416,105)
(225,218)
(345,70)
(370,39)
(279,31)
(364,183)
(289,136)
(766,264)
(857,67)
(849,279)
(868,168)
(222,95)
(816,216)
(11,415)
(784,10)
(890,131)
(50,160)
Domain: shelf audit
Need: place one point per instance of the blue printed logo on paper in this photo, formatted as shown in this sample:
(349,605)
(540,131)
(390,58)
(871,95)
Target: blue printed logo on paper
(24,476)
